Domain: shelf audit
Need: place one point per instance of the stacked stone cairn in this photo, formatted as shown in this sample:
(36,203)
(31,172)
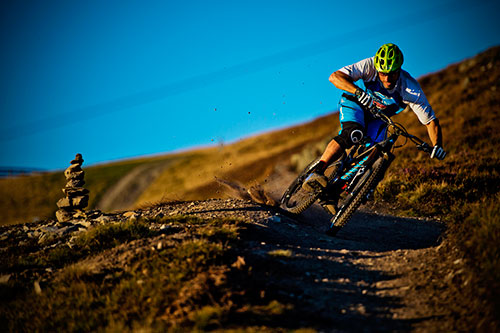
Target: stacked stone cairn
(77,197)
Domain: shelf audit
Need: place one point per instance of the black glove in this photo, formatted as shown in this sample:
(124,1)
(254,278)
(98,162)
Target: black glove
(364,98)
(438,152)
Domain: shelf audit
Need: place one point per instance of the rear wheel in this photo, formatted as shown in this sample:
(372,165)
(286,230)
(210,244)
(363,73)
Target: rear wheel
(352,202)
(296,199)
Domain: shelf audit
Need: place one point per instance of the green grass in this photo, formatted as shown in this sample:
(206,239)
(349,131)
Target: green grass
(479,230)
(434,189)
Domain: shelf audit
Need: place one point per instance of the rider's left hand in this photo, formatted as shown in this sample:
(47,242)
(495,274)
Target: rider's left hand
(438,152)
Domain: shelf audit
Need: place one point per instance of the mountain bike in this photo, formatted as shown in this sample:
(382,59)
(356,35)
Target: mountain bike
(353,178)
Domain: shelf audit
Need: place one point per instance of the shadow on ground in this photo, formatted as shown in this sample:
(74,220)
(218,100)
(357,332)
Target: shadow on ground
(327,280)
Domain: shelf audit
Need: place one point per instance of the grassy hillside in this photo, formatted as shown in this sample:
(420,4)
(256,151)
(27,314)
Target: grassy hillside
(33,197)
(248,161)
(189,175)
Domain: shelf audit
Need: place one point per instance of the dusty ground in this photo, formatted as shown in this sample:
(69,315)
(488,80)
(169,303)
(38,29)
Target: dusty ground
(374,276)
(380,273)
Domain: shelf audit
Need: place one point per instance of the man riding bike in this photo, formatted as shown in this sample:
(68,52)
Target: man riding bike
(382,77)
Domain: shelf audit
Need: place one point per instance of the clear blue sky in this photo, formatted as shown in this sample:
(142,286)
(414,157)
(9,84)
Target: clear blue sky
(120,79)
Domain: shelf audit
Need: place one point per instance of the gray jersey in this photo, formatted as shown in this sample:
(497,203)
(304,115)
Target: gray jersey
(407,90)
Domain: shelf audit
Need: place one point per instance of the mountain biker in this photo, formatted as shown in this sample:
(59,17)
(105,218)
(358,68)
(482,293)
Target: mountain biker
(382,77)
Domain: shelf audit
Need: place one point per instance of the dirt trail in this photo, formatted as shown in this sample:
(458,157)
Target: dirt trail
(353,282)
(374,276)
(125,192)
(371,277)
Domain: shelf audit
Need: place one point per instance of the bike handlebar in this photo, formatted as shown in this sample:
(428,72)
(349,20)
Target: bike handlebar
(377,108)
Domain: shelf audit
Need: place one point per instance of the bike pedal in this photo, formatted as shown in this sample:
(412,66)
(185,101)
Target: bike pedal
(312,186)
(315,184)
(330,209)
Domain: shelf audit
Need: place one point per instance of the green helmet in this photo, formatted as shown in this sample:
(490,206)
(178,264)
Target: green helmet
(388,58)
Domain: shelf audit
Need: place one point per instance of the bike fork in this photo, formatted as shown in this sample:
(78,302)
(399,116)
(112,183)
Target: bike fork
(388,158)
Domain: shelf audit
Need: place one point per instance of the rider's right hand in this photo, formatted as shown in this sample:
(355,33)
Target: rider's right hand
(364,98)
(438,152)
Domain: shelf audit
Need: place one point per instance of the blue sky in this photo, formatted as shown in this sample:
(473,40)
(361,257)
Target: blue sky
(121,79)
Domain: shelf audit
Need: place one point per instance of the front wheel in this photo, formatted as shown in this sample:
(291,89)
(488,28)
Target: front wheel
(296,199)
(352,202)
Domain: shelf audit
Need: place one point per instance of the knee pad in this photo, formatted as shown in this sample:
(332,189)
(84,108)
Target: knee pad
(352,133)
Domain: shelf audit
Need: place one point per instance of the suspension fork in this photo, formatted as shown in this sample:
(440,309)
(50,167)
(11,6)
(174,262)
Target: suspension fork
(386,153)
(388,158)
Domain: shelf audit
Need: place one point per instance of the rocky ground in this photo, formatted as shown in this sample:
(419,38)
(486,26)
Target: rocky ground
(380,273)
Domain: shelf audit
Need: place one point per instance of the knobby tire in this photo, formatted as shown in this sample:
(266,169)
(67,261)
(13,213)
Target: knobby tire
(302,206)
(296,187)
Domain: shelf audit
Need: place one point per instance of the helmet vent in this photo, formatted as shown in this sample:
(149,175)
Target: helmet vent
(388,58)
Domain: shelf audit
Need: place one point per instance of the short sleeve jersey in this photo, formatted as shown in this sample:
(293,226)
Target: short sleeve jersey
(407,90)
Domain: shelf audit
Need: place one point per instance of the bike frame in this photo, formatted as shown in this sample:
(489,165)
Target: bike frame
(353,168)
